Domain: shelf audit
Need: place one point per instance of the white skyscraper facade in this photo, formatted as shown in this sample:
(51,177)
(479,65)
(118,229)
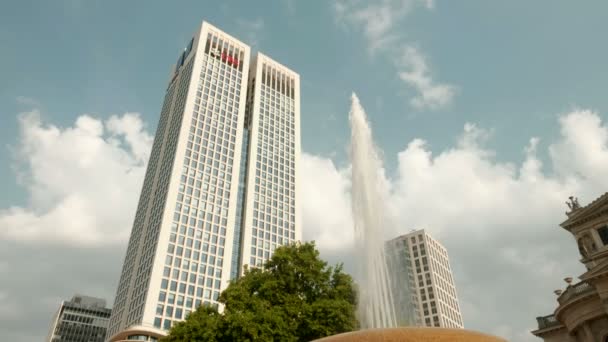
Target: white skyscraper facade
(221,184)
(274,136)
(428,285)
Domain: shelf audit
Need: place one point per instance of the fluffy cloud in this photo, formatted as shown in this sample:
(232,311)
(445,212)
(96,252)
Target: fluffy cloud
(379,21)
(27,101)
(326,204)
(415,72)
(582,155)
(499,221)
(252,30)
(82,180)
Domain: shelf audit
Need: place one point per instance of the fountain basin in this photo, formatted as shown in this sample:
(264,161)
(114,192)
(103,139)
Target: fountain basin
(412,334)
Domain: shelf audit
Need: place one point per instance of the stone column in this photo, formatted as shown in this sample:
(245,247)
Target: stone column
(601,286)
(588,334)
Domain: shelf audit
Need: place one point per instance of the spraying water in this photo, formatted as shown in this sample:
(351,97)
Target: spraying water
(375,299)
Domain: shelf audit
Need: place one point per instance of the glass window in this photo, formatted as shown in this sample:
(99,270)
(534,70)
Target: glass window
(603,233)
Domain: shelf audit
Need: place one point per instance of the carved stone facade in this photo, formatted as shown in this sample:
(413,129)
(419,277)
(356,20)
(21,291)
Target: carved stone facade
(582,311)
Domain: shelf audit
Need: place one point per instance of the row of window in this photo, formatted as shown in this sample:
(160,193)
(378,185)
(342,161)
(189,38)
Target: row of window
(235,267)
(142,338)
(273,222)
(443,297)
(203,197)
(221,47)
(172,108)
(443,275)
(79,318)
(421,259)
(70,331)
(278,80)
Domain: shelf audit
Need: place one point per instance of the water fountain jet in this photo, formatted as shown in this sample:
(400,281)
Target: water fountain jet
(376,311)
(368,199)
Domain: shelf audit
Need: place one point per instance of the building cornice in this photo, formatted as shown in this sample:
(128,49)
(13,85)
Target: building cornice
(548,330)
(562,310)
(598,272)
(587,213)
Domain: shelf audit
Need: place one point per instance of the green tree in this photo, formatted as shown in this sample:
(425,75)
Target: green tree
(296,296)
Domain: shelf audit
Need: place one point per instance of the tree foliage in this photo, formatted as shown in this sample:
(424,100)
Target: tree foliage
(296,296)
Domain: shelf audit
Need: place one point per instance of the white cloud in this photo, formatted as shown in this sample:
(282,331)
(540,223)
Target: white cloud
(252,30)
(584,150)
(326,203)
(27,101)
(415,72)
(83,181)
(379,21)
(498,220)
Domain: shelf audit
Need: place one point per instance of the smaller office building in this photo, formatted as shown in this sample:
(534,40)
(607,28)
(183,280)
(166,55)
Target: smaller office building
(423,288)
(80,319)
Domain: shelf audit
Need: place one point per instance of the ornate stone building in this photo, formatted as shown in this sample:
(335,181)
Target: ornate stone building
(582,311)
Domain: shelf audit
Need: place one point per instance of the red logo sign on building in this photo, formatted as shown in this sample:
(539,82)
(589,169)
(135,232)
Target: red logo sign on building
(229,59)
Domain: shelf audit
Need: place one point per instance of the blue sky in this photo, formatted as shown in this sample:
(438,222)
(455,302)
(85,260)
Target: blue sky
(511,68)
(516,65)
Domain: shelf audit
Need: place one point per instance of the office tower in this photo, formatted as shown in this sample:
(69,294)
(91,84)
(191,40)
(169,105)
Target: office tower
(221,184)
(273,128)
(424,279)
(80,319)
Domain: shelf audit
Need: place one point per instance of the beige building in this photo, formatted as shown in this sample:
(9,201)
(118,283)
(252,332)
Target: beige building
(582,311)
(427,282)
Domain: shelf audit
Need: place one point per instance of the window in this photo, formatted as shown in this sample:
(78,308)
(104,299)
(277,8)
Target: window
(603,233)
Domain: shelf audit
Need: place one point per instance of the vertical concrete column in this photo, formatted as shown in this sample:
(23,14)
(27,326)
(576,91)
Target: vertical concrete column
(601,286)
(588,334)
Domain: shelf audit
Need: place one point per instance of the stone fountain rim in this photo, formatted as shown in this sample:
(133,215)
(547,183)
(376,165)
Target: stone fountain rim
(378,331)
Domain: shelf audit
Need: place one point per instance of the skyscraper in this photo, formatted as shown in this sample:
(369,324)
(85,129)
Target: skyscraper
(80,319)
(424,281)
(220,191)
